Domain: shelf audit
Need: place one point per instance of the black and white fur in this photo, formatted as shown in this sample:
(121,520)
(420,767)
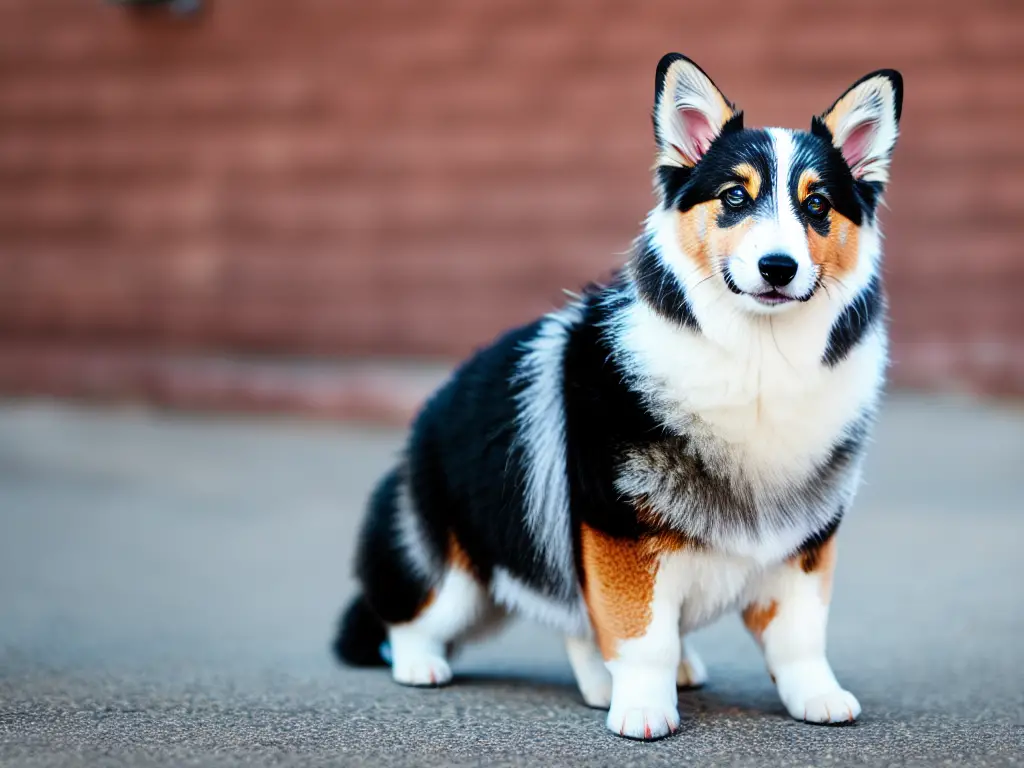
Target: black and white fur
(687,398)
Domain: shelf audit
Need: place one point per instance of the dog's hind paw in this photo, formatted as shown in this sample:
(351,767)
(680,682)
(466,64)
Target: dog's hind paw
(691,673)
(422,671)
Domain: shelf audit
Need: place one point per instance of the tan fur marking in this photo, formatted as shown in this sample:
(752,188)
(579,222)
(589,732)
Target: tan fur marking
(666,540)
(703,240)
(757,617)
(694,227)
(457,557)
(751,178)
(803,186)
(835,253)
(619,583)
(826,568)
(842,108)
(702,223)
(821,562)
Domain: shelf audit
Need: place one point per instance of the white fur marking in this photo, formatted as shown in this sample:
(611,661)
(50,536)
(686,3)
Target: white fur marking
(794,646)
(644,669)
(755,398)
(541,436)
(419,647)
(410,535)
(792,233)
(592,677)
(706,584)
(692,673)
(512,594)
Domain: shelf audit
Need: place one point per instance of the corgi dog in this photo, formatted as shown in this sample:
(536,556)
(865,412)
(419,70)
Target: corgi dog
(673,445)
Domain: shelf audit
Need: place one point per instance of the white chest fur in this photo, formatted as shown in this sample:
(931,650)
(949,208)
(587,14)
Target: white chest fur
(754,399)
(705,585)
(765,399)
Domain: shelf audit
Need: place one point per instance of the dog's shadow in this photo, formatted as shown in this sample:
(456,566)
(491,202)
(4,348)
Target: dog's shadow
(731,698)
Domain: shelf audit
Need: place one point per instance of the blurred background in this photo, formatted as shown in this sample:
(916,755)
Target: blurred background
(213,211)
(266,204)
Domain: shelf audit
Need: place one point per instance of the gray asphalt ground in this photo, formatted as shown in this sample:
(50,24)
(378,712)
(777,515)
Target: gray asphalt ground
(169,584)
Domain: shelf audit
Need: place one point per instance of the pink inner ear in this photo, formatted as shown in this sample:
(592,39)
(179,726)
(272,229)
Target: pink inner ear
(698,130)
(857,144)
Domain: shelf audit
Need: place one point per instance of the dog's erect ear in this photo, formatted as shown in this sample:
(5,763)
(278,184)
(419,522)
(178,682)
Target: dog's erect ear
(689,111)
(864,122)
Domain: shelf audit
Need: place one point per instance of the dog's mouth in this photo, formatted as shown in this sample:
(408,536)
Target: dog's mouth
(771,298)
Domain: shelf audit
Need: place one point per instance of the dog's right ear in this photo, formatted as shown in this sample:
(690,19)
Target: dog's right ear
(689,112)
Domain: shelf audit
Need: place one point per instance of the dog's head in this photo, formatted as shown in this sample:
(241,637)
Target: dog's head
(770,216)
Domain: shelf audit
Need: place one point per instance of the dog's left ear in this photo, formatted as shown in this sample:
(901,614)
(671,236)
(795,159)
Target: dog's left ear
(864,122)
(689,112)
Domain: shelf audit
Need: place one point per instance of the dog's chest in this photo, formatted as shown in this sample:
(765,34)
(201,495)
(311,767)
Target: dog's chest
(757,455)
(764,402)
(706,585)
(759,416)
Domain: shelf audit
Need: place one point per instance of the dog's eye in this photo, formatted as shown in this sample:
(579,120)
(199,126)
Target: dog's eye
(735,197)
(817,206)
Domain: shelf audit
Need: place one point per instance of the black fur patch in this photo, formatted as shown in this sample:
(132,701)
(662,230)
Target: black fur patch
(853,323)
(814,151)
(868,192)
(468,473)
(731,282)
(671,179)
(732,148)
(659,287)
(466,478)
(683,188)
(603,415)
(391,588)
(360,635)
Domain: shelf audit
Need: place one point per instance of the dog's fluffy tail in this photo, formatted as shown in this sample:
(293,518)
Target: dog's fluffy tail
(361,636)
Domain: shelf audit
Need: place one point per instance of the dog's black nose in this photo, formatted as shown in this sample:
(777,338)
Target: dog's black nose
(777,269)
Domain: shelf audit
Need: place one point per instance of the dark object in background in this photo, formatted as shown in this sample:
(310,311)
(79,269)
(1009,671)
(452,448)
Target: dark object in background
(180,7)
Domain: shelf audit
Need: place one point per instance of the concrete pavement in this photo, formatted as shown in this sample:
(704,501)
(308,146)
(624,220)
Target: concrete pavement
(169,584)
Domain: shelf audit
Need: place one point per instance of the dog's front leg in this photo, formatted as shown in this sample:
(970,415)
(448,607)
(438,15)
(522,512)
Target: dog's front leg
(788,616)
(635,613)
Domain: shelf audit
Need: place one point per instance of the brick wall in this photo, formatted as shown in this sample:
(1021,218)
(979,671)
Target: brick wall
(326,177)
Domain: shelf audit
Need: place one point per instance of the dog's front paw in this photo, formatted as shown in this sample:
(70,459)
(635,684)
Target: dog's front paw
(644,723)
(834,707)
(644,701)
(811,693)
